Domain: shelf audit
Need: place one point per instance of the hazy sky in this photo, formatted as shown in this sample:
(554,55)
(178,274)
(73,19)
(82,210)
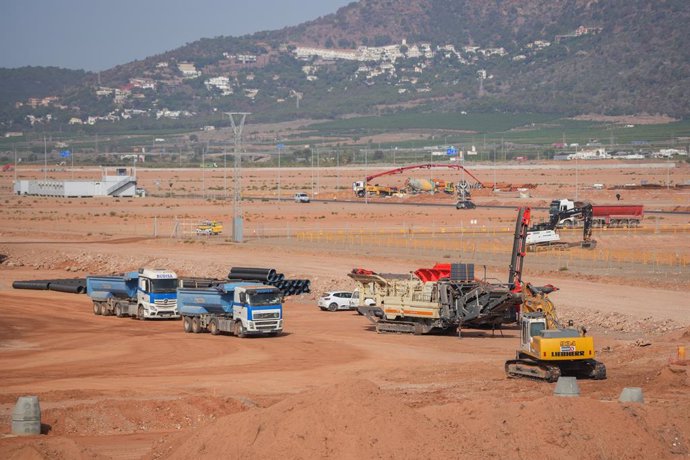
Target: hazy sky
(99,34)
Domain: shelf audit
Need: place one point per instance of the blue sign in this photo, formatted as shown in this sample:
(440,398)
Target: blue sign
(65,153)
(452,151)
(280,146)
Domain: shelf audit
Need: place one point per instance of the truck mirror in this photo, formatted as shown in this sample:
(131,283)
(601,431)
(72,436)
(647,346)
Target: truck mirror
(243,297)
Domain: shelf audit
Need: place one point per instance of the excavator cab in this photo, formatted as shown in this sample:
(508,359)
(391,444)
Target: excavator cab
(532,325)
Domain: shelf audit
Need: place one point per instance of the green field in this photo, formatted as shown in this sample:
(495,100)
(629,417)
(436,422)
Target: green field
(500,135)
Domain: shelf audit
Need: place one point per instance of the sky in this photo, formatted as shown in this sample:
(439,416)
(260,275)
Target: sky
(98,34)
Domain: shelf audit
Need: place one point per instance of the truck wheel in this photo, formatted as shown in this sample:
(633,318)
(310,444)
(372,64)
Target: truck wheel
(238,329)
(97,308)
(140,314)
(196,325)
(333,307)
(213,327)
(187,324)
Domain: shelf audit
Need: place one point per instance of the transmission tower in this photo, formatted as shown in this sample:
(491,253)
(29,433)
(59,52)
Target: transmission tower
(237,217)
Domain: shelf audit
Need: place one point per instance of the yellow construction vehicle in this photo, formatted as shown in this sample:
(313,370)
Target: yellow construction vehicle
(548,350)
(209,227)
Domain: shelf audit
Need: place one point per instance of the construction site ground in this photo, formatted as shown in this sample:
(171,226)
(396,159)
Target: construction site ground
(330,386)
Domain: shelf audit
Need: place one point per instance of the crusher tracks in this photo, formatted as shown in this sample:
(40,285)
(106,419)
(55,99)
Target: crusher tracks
(402,327)
(376,316)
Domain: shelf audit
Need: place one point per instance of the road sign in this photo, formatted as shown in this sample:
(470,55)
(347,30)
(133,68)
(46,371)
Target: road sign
(451,151)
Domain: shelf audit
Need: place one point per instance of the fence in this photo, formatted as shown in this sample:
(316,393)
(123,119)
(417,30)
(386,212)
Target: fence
(496,243)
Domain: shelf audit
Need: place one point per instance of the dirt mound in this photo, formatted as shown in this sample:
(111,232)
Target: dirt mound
(556,427)
(27,448)
(130,416)
(686,334)
(670,377)
(356,419)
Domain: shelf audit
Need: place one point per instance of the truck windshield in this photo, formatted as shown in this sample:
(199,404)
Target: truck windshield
(163,285)
(264,298)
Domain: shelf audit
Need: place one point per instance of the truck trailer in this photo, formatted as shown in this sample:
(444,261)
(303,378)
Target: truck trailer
(149,293)
(239,308)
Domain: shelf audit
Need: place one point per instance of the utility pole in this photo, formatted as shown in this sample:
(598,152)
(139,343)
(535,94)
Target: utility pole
(237,217)
(203,170)
(280,147)
(366,195)
(45,159)
(577,178)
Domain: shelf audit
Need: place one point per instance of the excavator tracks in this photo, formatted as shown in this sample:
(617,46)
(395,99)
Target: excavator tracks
(550,372)
(530,369)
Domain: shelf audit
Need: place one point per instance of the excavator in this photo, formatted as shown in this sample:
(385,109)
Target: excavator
(547,349)
(544,235)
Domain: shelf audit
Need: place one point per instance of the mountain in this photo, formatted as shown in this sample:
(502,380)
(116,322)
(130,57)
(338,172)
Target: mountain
(558,56)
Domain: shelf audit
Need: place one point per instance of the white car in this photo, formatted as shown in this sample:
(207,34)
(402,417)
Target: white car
(302,198)
(341,300)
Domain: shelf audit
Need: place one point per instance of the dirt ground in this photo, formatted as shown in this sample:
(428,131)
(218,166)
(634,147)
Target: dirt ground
(330,387)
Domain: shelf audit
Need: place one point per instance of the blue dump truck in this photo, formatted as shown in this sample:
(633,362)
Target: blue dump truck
(146,294)
(240,308)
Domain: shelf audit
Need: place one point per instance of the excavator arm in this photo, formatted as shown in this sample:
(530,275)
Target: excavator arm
(581,210)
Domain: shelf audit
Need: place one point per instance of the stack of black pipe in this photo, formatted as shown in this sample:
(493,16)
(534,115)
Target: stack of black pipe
(293,287)
(71,285)
(272,277)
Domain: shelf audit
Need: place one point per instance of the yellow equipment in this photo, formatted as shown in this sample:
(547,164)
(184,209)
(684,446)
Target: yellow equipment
(209,227)
(536,299)
(547,353)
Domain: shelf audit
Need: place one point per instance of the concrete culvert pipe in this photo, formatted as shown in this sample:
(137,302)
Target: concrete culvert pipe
(26,416)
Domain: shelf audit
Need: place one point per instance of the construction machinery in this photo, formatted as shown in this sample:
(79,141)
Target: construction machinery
(536,299)
(209,227)
(464,195)
(544,235)
(446,297)
(603,215)
(548,351)
(362,188)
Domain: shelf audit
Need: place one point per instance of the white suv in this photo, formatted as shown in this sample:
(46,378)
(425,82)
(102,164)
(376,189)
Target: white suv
(341,300)
(335,300)
(301,198)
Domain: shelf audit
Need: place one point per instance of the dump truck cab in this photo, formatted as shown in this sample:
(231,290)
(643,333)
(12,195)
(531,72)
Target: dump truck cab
(157,293)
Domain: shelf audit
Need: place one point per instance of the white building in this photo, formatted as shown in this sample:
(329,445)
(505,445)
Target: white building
(188,70)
